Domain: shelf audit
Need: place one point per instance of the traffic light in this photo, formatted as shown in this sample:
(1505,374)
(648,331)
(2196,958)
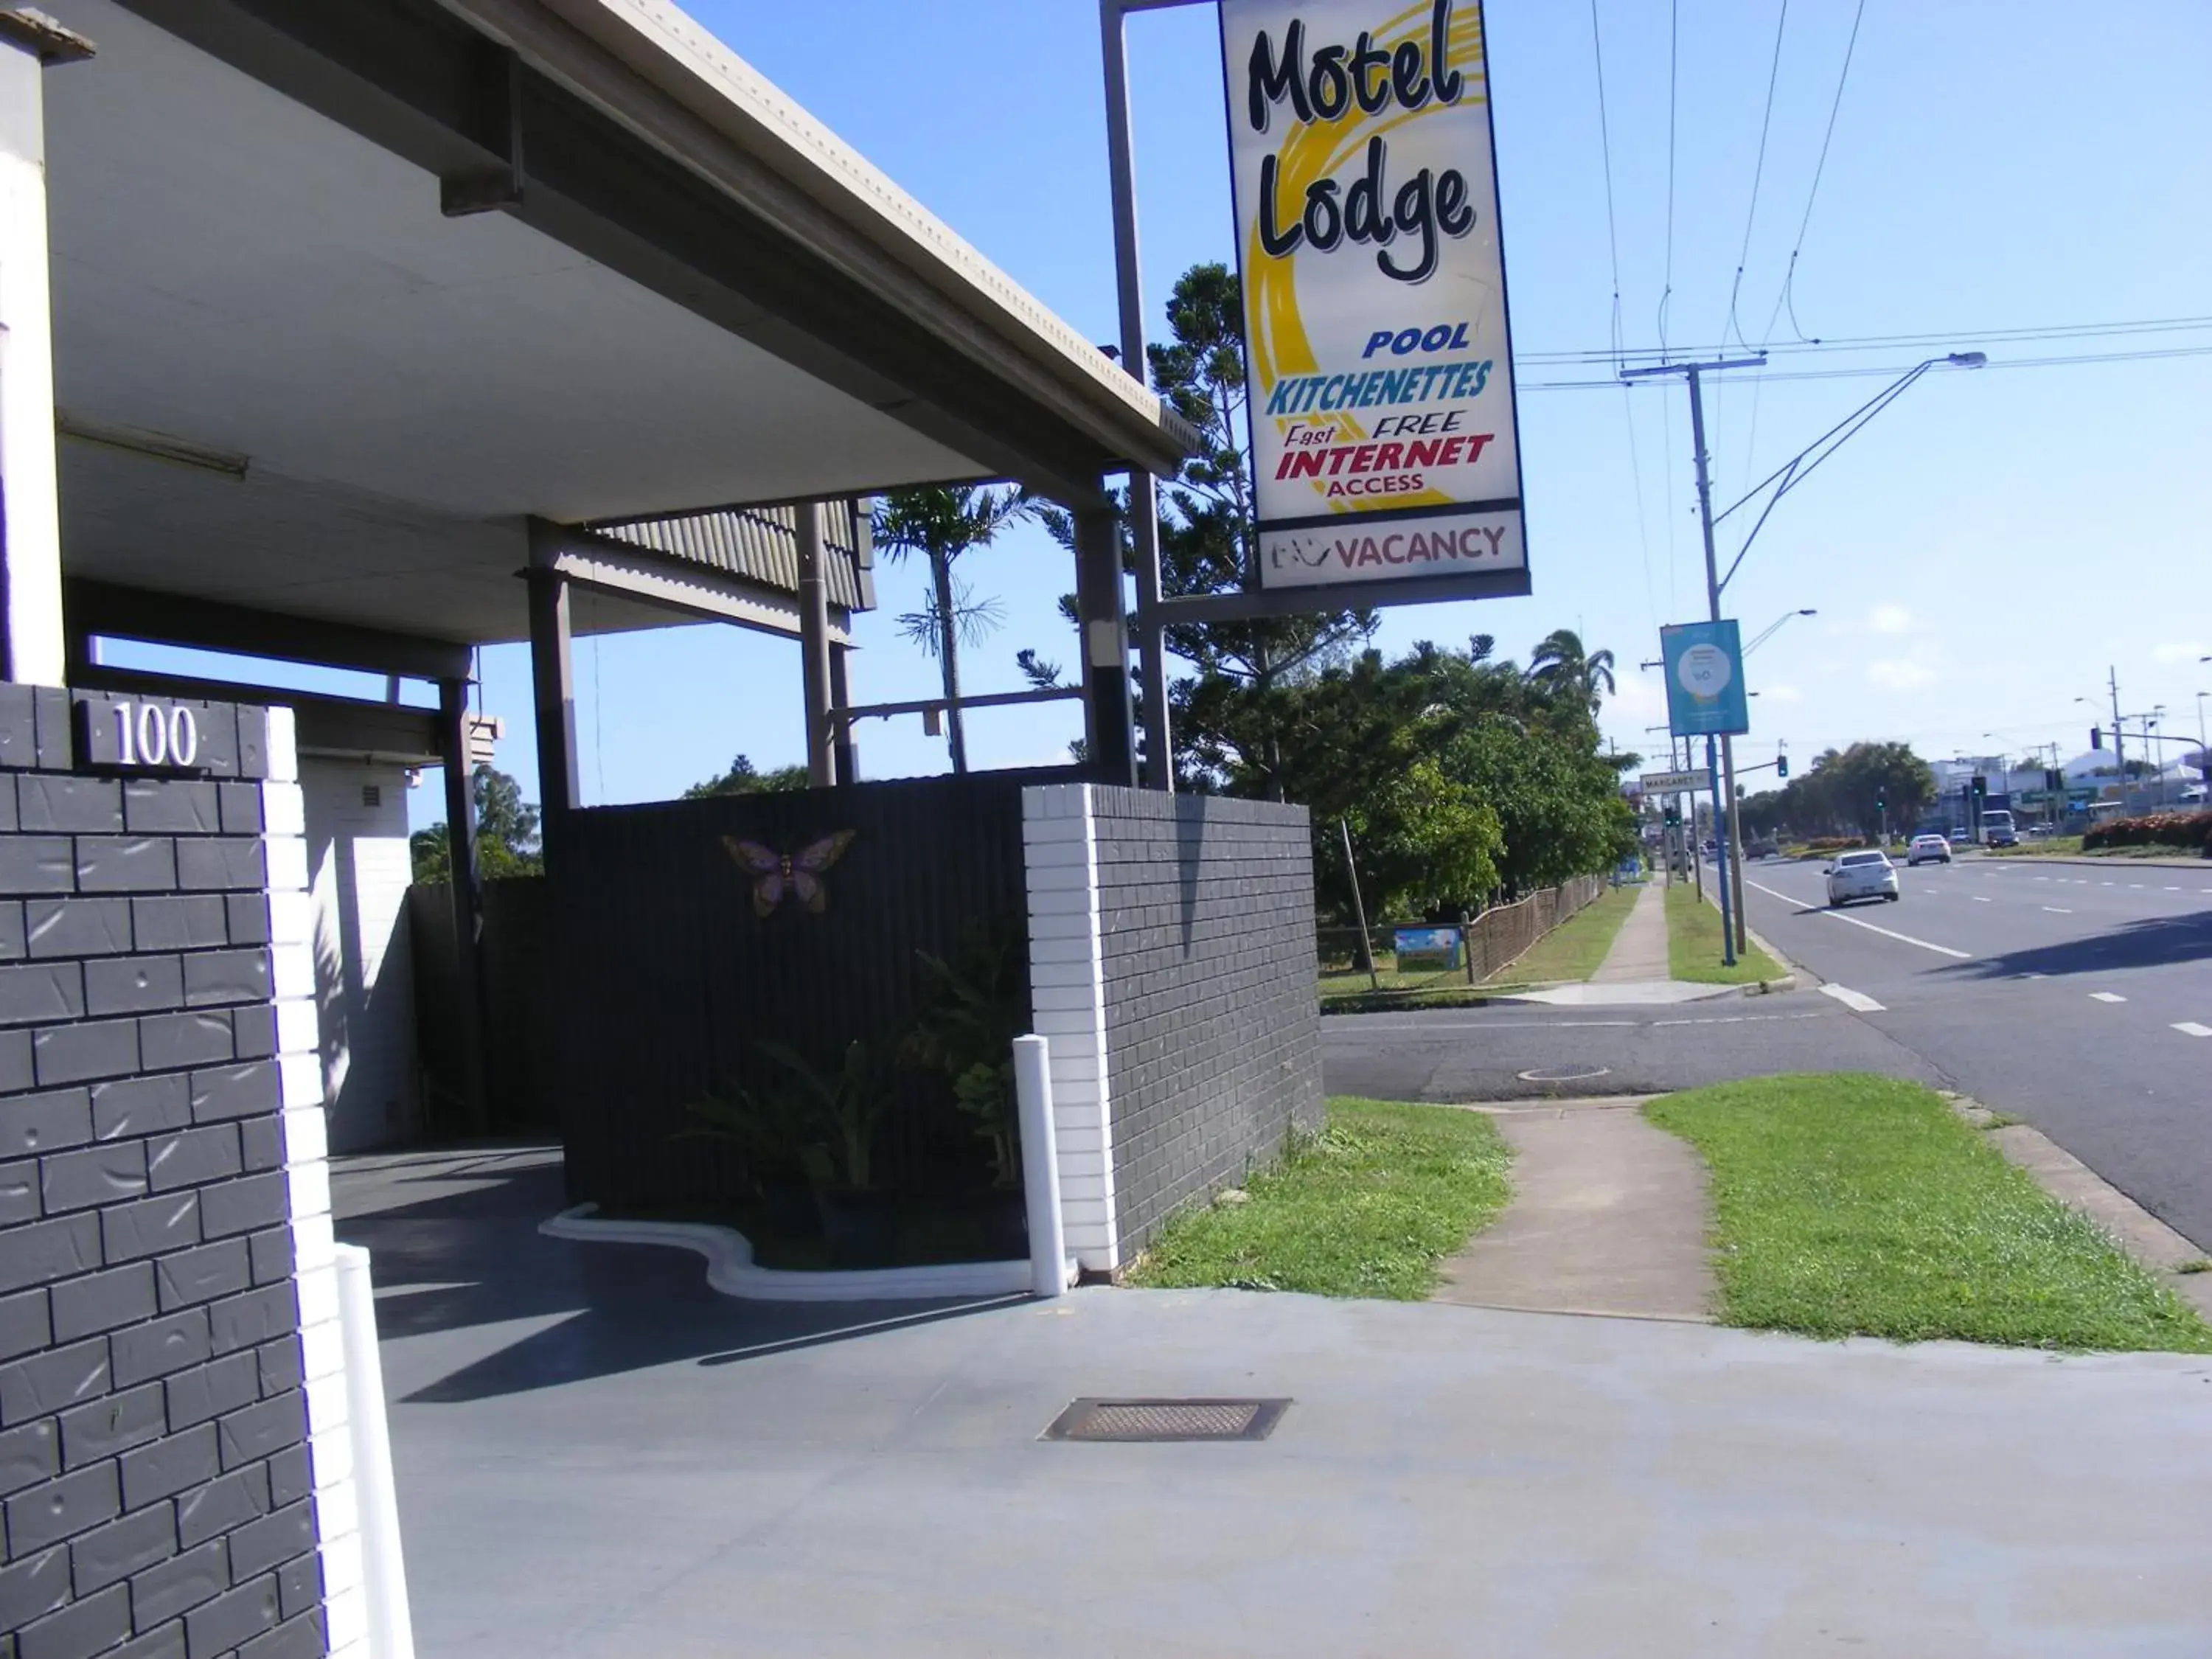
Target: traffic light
(1782,766)
(1981,785)
(2096,736)
(1673,817)
(2054,780)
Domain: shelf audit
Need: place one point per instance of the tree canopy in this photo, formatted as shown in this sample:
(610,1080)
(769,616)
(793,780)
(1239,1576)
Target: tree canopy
(744,778)
(507,833)
(1848,791)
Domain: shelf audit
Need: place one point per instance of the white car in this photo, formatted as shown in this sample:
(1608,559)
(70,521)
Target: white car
(1861,875)
(1927,849)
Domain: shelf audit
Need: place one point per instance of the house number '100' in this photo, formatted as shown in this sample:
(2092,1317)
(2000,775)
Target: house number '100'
(147,734)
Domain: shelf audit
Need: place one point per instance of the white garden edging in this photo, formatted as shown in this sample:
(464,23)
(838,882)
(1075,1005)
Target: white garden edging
(732,1270)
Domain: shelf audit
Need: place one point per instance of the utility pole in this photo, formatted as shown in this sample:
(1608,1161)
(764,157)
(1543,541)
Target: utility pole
(1728,843)
(2119,744)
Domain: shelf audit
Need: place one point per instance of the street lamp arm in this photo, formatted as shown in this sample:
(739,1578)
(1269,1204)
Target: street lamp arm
(1802,466)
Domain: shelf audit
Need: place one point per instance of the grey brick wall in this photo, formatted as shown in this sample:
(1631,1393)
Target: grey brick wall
(1212,1033)
(155,1488)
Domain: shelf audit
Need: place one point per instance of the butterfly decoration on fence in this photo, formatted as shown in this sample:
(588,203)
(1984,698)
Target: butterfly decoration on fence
(798,875)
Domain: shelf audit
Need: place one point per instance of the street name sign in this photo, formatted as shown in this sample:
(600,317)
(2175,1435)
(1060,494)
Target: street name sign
(1673,783)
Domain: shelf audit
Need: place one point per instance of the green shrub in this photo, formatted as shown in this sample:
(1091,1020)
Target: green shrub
(2189,831)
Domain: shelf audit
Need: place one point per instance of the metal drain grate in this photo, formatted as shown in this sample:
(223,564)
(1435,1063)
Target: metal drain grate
(1167,1419)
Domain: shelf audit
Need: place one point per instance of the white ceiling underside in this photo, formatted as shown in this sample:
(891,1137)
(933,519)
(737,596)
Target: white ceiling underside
(235,271)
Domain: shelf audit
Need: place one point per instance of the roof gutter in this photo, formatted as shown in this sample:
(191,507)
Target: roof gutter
(650,67)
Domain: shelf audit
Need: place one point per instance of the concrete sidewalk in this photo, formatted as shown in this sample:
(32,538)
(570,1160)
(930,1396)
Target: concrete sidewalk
(1608,1215)
(1638,955)
(1635,972)
(597,1458)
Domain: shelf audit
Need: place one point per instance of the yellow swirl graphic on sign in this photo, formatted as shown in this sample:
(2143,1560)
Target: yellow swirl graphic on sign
(1312,152)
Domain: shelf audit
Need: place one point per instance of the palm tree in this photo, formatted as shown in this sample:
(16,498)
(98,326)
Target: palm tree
(941,523)
(1560,664)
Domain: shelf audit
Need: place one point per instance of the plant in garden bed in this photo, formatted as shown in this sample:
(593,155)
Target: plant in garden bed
(965,1033)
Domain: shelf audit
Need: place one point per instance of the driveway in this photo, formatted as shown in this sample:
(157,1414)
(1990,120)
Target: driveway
(597,1456)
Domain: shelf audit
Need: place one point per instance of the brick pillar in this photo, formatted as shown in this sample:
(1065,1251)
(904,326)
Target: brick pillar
(167,1332)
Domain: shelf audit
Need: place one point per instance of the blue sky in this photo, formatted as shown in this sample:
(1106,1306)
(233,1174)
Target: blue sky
(1978,556)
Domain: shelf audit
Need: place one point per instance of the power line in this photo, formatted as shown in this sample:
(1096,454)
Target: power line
(1758,171)
(1790,278)
(1674,86)
(1850,342)
(1893,370)
(1612,245)
(1604,149)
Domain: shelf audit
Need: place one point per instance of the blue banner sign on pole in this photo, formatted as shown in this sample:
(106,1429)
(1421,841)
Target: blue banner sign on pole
(1704,680)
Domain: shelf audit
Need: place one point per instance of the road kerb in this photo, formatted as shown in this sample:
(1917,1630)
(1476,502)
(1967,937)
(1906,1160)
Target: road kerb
(1798,974)
(2153,1245)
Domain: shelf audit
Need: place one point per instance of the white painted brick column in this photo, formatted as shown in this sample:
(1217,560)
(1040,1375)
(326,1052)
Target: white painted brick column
(307,1167)
(1067,997)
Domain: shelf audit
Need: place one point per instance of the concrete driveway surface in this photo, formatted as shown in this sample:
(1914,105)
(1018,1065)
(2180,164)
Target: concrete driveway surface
(597,1456)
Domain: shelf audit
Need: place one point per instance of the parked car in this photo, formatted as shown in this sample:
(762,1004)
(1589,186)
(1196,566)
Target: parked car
(1861,875)
(1764,847)
(1927,849)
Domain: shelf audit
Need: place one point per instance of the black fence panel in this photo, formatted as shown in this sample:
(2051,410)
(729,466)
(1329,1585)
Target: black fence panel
(680,952)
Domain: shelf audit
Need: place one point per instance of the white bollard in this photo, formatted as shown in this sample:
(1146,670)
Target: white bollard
(1040,1167)
(391,1627)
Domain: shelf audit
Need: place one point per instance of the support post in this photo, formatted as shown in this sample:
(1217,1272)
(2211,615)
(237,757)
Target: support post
(846,751)
(32,648)
(1109,739)
(1721,859)
(1128,283)
(369,1435)
(553,687)
(814,648)
(461,854)
(1726,848)
(1041,1167)
(1735,838)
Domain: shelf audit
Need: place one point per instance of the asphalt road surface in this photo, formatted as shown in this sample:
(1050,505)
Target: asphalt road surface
(2076,997)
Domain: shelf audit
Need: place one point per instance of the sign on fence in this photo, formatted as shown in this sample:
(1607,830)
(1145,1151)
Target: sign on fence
(1425,947)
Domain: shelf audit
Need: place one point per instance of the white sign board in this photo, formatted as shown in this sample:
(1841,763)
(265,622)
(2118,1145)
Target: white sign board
(1379,368)
(1673,783)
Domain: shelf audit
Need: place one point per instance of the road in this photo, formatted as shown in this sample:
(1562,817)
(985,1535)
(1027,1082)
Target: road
(2075,996)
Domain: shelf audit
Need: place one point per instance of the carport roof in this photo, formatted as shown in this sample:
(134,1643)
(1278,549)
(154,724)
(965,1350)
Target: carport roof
(346,293)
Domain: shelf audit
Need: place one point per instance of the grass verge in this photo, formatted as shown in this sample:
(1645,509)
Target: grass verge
(1577,947)
(1848,1204)
(1367,1208)
(1694,945)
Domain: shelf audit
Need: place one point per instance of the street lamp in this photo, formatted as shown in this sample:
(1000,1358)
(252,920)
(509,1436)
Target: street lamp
(2203,754)
(1792,473)
(1769,632)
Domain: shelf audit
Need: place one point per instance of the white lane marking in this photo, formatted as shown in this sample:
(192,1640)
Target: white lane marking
(1857,1001)
(2115,884)
(2031,976)
(2191,1028)
(2173,890)
(2043,878)
(1980,899)
(2056,911)
(2106,996)
(2136,886)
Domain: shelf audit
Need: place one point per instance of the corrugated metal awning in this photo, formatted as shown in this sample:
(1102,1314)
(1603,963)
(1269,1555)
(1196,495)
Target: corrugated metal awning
(761,544)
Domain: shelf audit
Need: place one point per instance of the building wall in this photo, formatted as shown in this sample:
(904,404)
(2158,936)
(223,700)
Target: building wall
(166,1296)
(359,871)
(1171,969)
